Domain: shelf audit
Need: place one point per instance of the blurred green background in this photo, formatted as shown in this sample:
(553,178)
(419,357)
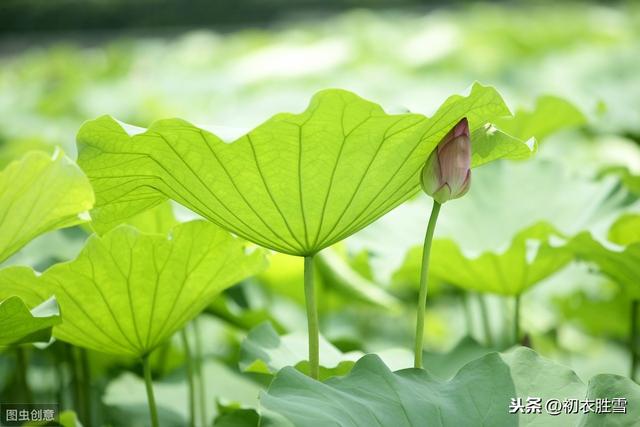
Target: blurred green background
(235,64)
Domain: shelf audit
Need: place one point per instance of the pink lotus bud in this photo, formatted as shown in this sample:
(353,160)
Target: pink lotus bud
(447,173)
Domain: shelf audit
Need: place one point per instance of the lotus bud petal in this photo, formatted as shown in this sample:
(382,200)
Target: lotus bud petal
(447,173)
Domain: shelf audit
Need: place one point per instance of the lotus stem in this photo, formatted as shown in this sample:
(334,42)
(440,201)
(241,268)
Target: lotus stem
(516,320)
(161,360)
(486,324)
(202,392)
(86,384)
(312,319)
(422,296)
(466,310)
(633,338)
(72,362)
(153,410)
(190,379)
(60,379)
(22,364)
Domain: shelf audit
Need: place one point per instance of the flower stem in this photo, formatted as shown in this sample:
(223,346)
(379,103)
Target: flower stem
(516,320)
(22,367)
(202,393)
(422,296)
(312,319)
(466,309)
(486,323)
(190,379)
(153,410)
(633,338)
(86,384)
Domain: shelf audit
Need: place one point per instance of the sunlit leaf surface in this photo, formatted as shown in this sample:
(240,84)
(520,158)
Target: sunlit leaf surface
(127,292)
(39,194)
(295,184)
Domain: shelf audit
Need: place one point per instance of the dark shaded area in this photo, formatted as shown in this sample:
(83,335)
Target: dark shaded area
(58,15)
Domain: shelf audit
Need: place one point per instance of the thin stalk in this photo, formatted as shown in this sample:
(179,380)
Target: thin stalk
(486,324)
(86,385)
(74,380)
(60,379)
(202,392)
(516,320)
(190,379)
(312,319)
(153,410)
(22,364)
(633,338)
(422,296)
(466,309)
(161,361)
(78,390)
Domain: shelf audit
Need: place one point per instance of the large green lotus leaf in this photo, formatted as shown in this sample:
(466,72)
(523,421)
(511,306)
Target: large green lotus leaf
(480,394)
(549,115)
(529,259)
(20,325)
(608,387)
(40,193)
(127,292)
(295,184)
(372,395)
(530,192)
(622,265)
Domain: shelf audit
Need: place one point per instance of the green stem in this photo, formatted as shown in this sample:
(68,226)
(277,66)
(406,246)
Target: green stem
(312,319)
(466,309)
(516,320)
(79,396)
(161,361)
(422,296)
(74,381)
(486,324)
(60,379)
(190,379)
(202,392)
(86,384)
(22,363)
(633,338)
(153,410)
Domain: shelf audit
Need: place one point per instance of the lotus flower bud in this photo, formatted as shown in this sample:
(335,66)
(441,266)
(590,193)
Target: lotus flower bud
(447,173)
